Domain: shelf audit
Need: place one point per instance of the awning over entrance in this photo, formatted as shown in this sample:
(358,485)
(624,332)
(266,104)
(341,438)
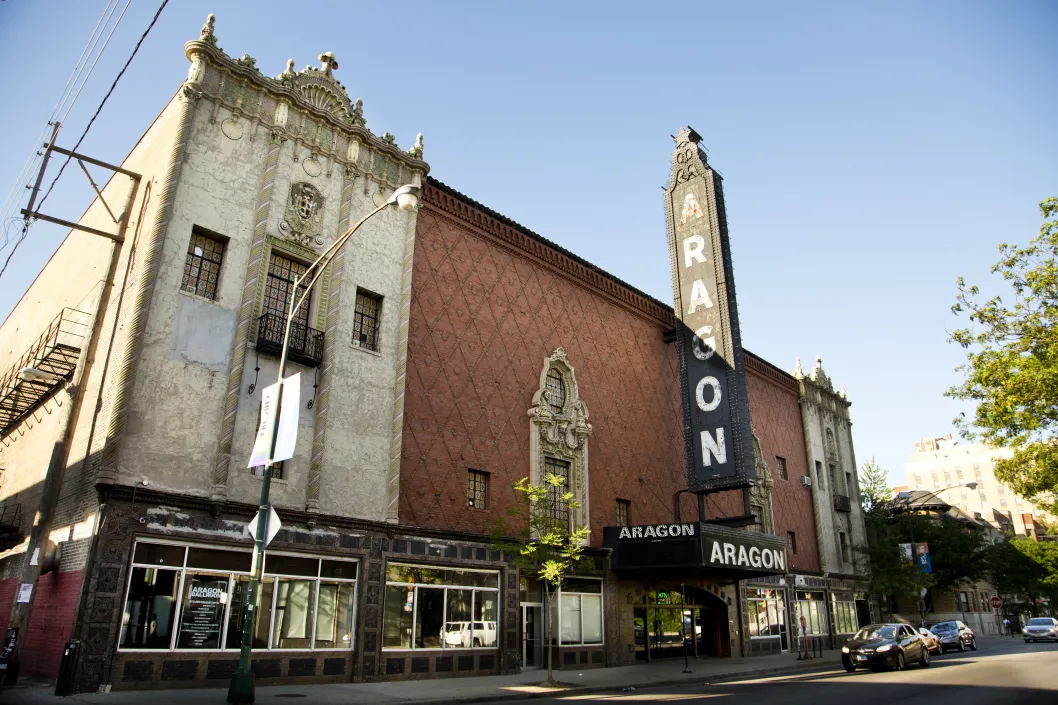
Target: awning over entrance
(709,548)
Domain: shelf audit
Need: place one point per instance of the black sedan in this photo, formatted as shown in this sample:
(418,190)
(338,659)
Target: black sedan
(884,646)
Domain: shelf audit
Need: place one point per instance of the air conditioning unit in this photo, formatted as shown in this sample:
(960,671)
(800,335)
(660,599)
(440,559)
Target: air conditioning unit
(806,481)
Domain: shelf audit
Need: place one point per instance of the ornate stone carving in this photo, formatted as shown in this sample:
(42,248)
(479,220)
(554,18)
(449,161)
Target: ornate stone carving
(561,434)
(304,215)
(207,30)
(416,151)
(760,494)
(248,61)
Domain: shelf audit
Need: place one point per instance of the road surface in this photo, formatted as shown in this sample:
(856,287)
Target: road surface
(1001,672)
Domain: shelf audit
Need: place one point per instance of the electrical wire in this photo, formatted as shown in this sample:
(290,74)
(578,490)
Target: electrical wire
(102,103)
(67,96)
(40,204)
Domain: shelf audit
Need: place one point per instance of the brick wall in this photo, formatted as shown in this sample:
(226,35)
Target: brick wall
(50,622)
(776,416)
(489,303)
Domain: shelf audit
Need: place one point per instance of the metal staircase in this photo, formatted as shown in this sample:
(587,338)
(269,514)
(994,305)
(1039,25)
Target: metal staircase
(55,352)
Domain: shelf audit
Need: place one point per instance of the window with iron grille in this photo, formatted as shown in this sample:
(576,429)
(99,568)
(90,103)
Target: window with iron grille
(623,505)
(780,468)
(276,468)
(791,542)
(559,508)
(279,287)
(202,266)
(478,489)
(365,322)
(556,388)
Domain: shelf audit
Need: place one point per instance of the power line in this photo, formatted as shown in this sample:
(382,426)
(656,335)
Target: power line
(40,204)
(34,157)
(102,103)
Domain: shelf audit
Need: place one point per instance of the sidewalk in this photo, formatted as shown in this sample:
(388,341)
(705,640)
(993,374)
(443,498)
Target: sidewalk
(449,690)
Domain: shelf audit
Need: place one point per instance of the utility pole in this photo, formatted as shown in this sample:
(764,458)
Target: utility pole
(33,560)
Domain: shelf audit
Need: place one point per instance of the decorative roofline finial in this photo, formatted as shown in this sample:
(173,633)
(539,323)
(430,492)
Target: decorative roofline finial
(288,73)
(843,394)
(798,373)
(207,30)
(329,63)
(416,150)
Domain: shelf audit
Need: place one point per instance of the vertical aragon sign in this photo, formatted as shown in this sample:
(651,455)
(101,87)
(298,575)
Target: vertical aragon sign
(712,376)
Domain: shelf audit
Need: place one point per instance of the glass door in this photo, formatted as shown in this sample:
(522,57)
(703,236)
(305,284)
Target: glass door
(532,635)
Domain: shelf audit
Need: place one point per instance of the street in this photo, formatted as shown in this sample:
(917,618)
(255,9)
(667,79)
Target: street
(1005,671)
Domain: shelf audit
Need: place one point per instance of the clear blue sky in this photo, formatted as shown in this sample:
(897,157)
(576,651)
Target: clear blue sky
(872,152)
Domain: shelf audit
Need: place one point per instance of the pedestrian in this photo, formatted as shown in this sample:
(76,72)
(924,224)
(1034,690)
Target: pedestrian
(1007,627)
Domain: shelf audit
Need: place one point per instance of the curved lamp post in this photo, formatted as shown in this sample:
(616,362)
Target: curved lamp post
(241,687)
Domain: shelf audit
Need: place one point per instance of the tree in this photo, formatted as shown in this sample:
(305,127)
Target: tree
(546,542)
(1012,364)
(874,486)
(1025,572)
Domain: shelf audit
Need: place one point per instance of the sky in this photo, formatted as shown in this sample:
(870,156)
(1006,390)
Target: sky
(871,152)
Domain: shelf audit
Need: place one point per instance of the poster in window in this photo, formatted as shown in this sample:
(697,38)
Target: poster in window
(203,613)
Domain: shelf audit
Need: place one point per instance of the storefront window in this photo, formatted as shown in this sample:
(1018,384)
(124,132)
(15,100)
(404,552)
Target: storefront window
(438,608)
(197,600)
(767,612)
(813,607)
(578,606)
(844,613)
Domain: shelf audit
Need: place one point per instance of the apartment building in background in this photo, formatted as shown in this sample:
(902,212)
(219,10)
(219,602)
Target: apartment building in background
(944,466)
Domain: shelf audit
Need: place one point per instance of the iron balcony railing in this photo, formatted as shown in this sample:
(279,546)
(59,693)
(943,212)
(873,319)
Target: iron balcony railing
(842,503)
(305,345)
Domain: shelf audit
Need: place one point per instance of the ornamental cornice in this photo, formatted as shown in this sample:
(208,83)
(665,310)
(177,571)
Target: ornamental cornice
(286,89)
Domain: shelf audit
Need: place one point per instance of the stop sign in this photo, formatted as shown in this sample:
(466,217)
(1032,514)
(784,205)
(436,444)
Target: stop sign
(996,602)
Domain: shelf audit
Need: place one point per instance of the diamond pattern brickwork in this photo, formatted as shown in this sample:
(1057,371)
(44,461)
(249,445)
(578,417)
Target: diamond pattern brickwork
(483,318)
(488,305)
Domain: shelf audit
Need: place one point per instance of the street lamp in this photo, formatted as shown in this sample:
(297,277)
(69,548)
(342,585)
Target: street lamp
(241,687)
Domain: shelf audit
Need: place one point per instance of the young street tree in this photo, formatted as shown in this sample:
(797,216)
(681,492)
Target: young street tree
(1012,364)
(546,544)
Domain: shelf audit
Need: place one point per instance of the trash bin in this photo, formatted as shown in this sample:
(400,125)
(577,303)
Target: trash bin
(64,685)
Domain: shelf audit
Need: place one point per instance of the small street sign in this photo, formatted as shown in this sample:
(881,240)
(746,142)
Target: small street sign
(996,602)
(271,527)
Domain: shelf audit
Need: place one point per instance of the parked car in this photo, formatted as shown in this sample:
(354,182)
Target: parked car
(1040,629)
(884,646)
(954,635)
(931,639)
(466,634)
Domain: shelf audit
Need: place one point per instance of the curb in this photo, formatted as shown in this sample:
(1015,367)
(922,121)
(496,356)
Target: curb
(587,690)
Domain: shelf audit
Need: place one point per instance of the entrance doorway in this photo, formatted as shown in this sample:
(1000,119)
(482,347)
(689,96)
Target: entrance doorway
(532,630)
(670,621)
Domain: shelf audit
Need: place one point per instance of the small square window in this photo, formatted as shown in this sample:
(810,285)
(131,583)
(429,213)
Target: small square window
(780,468)
(791,542)
(477,489)
(276,468)
(1002,502)
(366,320)
(623,505)
(202,265)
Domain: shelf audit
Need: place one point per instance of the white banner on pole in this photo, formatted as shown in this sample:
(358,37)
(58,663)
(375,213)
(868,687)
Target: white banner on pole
(263,442)
(287,435)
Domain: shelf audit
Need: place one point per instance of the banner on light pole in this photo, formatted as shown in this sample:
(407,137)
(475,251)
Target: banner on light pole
(286,435)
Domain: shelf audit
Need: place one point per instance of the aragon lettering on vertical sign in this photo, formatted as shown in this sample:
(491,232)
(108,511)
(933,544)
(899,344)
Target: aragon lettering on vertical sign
(712,377)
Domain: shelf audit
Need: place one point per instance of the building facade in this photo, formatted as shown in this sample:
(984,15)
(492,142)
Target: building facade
(945,467)
(444,355)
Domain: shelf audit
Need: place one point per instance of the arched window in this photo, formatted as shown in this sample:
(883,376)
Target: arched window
(556,388)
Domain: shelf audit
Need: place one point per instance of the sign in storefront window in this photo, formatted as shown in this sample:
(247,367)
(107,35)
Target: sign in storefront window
(305,602)
(577,609)
(812,606)
(440,608)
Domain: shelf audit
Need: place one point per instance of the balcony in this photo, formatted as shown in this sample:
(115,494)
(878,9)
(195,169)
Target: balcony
(842,503)
(55,352)
(305,346)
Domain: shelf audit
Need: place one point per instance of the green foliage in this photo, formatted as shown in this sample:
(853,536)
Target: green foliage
(874,486)
(1012,364)
(1025,572)
(539,545)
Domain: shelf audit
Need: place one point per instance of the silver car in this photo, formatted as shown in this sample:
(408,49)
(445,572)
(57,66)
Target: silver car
(1040,629)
